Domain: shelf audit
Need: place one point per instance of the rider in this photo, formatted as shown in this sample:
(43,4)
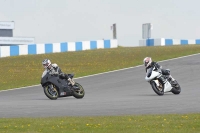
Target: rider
(149,64)
(54,69)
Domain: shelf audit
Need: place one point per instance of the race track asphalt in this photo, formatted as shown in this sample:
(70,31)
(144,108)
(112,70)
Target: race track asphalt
(123,92)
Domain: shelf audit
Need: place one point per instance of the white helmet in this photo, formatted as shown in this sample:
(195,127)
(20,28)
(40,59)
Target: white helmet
(147,61)
(46,63)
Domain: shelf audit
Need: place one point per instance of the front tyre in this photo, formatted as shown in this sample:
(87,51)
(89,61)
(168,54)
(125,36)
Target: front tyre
(51,92)
(78,91)
(176,88)
(157,90)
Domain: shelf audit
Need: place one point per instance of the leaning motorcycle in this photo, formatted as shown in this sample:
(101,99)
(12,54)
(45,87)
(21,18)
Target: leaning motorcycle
(162,86)
(55,87)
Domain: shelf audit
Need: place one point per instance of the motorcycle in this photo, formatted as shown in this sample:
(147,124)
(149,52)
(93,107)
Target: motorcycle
(159,86)
(55,87)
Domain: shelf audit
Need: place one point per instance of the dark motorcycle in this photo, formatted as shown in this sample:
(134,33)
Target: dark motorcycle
(55,87)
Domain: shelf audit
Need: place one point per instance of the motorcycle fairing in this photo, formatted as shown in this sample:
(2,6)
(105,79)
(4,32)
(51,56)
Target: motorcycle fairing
(60,83)
(167,87)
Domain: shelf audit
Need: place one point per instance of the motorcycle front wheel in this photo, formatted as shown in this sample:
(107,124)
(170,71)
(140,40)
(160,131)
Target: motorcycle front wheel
(159,91)
(78,91)
(51,92)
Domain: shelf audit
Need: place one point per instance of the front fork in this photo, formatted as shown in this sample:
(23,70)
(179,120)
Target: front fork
(51,87)
(161,82)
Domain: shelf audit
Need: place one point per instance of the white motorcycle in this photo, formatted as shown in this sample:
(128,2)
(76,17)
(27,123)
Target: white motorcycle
(159,86)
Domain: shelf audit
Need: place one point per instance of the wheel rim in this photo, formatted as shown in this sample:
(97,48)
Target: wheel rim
(160,87)
(52,91)
(177,88)
(79,91)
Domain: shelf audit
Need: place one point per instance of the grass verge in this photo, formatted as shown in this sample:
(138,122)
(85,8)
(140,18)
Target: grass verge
(20,71)
(26,70)
(172,123)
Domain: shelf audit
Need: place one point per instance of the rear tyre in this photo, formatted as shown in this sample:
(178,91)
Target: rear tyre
(176,88)
(51,93)
(158,91)
(78,91)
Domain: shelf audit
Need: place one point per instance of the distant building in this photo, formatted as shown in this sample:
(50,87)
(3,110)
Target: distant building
(6,35)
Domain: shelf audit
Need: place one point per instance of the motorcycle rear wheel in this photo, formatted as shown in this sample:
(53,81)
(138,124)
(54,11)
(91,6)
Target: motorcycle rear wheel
(51,93)
(176,89)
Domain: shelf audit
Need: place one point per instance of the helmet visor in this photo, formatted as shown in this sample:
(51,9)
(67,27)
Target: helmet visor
(46,65)
(146,63)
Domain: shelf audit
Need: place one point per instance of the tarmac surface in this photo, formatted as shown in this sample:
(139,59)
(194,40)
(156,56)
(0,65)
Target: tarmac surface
(122,92)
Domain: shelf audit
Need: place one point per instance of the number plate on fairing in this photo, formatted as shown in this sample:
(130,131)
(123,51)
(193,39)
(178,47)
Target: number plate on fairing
(63,93)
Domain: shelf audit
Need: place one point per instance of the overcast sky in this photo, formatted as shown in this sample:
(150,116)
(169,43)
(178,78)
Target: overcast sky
(52,21)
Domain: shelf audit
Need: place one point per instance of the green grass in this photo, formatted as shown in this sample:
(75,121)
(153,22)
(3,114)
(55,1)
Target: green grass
(26,70)
(173,123)
(19,71)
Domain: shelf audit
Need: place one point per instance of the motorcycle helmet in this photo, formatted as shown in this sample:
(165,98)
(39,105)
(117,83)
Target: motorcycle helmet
(46,63)
(147,61)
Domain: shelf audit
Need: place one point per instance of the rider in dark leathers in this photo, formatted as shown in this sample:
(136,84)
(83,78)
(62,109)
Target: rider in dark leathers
(54,69)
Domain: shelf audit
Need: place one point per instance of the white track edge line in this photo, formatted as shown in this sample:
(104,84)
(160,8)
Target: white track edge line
(104,72)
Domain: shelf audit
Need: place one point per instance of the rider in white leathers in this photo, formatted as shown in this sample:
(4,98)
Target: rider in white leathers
(149,65)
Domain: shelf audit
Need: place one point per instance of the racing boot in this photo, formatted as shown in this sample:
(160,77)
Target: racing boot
(170,76)
(69,79)
(173,82)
